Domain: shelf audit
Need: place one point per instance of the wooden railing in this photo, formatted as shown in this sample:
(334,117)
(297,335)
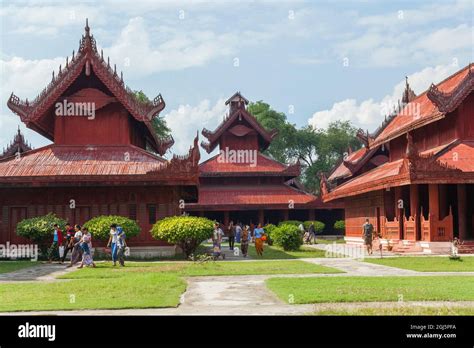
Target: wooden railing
(435,230)
(409,227)
(392,229)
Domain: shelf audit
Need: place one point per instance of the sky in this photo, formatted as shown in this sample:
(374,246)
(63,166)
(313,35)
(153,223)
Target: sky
(316,61)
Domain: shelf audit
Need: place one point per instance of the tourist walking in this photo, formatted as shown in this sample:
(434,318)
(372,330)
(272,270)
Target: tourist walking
(258,234)
(217,240)
(231,234)
(76,255)
(244,241)
(367,231)
(112,243)
(53,251)
(238,232)
(120,245)
(68,243)
(86,246)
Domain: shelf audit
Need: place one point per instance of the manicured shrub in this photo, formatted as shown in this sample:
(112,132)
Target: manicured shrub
(99,226)
(185,231)
(39,229)
(340,226)
(318,226)
(291,222)
(288,237)
(269,228)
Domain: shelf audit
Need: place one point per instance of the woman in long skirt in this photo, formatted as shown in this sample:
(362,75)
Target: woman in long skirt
(76,255)
(258,233)
(244,241)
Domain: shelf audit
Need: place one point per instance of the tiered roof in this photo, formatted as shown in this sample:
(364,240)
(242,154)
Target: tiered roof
(17,146)
(34,113)
(434,104)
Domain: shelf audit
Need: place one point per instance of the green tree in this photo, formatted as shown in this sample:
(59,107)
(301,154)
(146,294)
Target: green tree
(318,150)
(271,119)
(159,123)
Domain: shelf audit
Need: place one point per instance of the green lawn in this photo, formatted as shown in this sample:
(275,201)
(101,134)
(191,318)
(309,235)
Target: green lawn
(398,310)
(428,263)
(190,269)
(330,241)
(138,285)
(369,289)
(10,266)
(274,253)
(134,291)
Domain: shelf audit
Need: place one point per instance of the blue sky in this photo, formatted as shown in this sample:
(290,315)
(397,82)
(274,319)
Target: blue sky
(327,60)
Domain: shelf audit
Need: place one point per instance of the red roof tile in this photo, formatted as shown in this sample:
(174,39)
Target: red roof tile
(460,156)
(387,175)
(74,161)
(341,170)
(263,165)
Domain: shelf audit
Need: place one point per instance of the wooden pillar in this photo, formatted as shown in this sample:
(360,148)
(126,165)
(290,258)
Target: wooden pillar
(462,209)
(261,217)
(433,209)
(226,218)
(434,200)
(443,201)
(399,211)
(415,209)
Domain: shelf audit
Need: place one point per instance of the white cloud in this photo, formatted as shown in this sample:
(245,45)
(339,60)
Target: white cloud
(178,48)
(368,114)
(26,78)
(186,120)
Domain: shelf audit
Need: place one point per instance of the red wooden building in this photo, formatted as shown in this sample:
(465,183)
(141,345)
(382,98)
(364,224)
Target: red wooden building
(242,184)
(414,177)
(100,163)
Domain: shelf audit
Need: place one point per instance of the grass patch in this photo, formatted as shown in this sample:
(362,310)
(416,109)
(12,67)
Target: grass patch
(428,263)
(370,289)
(190,269)
(274,252)
(138,285)
(330,241)
(11,266)
(399,310)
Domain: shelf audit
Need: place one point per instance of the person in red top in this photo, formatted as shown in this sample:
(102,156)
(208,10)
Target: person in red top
(69,241)
(53,251)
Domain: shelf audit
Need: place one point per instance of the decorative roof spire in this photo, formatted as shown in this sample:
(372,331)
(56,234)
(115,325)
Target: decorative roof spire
(408,94)
(86,28)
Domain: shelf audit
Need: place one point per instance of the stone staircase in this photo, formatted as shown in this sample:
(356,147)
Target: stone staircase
(467,247)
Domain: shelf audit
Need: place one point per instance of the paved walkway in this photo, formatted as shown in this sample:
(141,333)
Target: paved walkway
(41,272)
(242,295)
